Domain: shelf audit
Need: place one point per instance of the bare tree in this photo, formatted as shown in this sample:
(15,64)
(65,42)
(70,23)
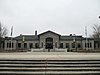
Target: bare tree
(3,33)
(96,31)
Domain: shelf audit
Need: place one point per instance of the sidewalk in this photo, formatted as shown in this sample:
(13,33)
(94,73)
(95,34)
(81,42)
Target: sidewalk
(51,55)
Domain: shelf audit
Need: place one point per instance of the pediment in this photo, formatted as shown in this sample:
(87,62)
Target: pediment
(49,32)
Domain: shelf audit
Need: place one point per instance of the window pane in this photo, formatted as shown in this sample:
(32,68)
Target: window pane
(19,45)
(25,45)
(90,45)
(31,45)
(9,45)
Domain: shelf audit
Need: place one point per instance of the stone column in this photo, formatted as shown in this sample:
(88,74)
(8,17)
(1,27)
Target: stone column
(5,45)
(92,45)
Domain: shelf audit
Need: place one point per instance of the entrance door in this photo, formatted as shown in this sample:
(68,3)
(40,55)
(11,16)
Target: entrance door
(49,43)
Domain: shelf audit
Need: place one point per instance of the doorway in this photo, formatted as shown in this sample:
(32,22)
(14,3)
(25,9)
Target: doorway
(49,43)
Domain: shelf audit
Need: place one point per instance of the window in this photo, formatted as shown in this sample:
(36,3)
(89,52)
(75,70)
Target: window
(36,45)
(87,45)
(61,45)
(31,45)
(90,45)
(73,45)
(25,45)
(19,45)
(79,45)
(67,45)
(9,45)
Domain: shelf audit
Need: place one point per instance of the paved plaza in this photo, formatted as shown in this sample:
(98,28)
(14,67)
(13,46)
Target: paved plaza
(51,55)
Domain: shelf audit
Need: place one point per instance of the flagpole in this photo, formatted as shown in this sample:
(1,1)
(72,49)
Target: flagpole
(86,37)
(11,36)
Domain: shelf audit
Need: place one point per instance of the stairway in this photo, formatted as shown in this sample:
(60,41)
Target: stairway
(49,67)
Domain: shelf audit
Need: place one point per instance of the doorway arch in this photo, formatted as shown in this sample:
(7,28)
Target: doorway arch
(49,43)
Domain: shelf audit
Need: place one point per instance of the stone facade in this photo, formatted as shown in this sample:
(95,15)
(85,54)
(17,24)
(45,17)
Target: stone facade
(50,40)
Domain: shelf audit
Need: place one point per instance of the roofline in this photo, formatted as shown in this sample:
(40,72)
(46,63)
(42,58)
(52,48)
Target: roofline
(49,31)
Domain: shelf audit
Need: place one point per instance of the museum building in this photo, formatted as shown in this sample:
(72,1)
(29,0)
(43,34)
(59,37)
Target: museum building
(51,41)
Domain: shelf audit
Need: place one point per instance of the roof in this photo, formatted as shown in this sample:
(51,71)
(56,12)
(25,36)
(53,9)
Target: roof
(36,37)
(50,32)
(88,38)
(27,37)
(70,38)
(9,38)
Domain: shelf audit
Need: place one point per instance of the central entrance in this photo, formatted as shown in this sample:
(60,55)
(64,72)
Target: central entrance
(49,43)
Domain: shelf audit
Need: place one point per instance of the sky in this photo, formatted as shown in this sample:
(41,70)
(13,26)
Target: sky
(61,16)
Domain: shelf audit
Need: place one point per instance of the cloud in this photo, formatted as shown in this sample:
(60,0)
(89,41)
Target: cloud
(64,16)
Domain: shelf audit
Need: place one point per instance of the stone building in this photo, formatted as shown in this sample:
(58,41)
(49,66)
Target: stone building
(51,41)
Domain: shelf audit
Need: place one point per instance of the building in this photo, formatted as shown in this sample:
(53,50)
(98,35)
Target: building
(50,41)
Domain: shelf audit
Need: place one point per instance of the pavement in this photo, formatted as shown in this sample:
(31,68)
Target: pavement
(51,55)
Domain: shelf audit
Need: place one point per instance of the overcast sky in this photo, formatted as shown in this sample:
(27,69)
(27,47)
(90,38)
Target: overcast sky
(61,16)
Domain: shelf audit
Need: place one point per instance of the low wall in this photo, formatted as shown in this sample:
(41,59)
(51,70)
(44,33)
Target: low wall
(48,50)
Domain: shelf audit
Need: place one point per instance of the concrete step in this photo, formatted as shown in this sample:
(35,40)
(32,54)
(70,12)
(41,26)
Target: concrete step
(48,62)
(51,73)
(49,59)
(50,67)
